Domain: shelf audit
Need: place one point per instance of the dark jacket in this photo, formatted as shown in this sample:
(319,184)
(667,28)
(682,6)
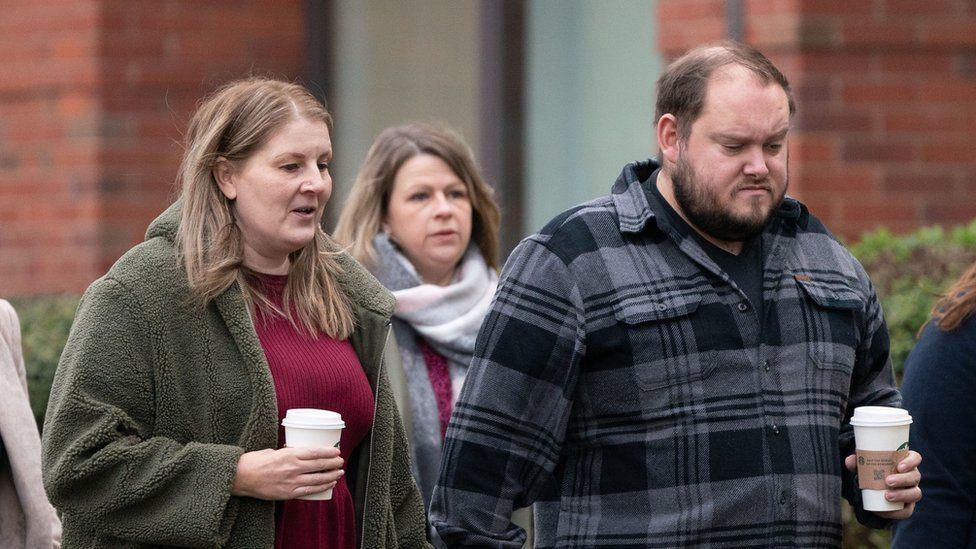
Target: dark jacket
(154,401)
(940,393)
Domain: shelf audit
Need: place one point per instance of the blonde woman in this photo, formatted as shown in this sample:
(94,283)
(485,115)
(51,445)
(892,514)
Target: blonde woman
(423,220)
(163,424)
(26,517)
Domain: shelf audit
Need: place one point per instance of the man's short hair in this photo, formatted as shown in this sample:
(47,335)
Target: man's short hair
(681,89)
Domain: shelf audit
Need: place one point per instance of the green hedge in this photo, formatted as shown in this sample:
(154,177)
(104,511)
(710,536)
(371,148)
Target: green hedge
(45,322)
(909,272)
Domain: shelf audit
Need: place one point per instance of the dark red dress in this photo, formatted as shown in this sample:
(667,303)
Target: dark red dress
(315,373)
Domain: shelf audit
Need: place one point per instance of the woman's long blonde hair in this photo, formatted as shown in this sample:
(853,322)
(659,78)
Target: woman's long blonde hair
(362,216)
(958,303)
(231,124)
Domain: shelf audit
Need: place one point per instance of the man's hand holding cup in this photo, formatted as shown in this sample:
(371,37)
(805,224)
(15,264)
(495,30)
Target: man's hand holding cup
(887,470)
(902,485)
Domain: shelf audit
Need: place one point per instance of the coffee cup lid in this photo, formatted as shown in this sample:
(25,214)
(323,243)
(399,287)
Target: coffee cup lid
(880,416)
(312,418)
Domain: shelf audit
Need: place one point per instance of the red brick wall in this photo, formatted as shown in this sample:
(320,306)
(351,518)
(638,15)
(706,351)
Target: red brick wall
(48,145)
(94,96)
(886,89)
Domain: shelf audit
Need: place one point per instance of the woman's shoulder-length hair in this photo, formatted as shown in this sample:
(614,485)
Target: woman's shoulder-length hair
(362,216)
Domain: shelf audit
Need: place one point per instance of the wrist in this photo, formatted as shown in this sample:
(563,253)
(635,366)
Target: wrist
(241,486)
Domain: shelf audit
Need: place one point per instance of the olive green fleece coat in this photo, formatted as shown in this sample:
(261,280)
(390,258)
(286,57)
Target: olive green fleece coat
(154,401)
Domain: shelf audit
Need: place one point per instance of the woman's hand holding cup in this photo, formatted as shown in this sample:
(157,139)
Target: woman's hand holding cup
(287,473)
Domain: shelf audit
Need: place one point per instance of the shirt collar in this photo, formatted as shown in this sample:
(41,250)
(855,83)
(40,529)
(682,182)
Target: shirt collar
(630,197)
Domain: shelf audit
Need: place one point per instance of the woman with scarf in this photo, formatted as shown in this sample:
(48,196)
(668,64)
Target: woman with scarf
(424,222)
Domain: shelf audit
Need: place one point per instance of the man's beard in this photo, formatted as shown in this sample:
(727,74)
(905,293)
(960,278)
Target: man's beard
(701,206)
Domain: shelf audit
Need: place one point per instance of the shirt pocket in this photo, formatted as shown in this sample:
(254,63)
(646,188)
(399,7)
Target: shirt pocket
(833,333)
(661,334)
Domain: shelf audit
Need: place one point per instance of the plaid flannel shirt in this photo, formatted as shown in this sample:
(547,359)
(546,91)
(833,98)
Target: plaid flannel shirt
(624,384)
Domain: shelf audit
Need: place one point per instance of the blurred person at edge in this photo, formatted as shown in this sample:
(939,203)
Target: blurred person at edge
(939,389)
(164,422)
(27,520)
(421,218)
(676,364)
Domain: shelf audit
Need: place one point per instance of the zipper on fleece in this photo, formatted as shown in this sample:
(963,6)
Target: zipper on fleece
(372,431)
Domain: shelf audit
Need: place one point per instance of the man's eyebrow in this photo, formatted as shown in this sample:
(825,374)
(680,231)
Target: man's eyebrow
(729,136)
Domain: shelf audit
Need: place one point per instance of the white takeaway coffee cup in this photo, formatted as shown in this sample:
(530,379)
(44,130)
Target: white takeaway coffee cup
(313,428)
(881,438)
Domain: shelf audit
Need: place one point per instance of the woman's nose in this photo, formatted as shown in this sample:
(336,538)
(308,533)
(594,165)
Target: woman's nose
(316,181)
(442,205)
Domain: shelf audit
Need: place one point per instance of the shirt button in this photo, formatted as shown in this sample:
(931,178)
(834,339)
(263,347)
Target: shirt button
(775,429)
(767,365)
(661,306)
(783,497)
(743,306)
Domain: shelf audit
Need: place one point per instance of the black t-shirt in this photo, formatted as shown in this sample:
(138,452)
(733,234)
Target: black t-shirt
(745,269)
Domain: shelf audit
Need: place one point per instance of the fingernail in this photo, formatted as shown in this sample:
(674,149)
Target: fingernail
(342,472)
(890,481)
(889,496)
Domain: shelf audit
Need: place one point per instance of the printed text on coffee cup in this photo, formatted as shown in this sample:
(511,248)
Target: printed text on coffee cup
(873,467)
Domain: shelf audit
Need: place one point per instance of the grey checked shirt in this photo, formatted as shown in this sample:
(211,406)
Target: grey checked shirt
(628,387)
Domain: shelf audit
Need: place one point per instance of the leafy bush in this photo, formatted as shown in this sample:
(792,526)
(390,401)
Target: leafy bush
(44,322)
(910,272)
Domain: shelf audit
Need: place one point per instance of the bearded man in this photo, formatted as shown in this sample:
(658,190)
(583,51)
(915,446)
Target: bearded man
(675,365)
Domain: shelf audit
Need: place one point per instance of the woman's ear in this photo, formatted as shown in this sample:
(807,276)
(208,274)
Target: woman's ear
(224,175)
(385,227)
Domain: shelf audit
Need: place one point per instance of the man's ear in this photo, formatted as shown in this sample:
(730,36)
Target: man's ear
(224,175)
(668,138)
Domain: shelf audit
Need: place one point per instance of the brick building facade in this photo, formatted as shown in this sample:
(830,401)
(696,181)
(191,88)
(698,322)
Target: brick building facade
(94,95)
(886,93)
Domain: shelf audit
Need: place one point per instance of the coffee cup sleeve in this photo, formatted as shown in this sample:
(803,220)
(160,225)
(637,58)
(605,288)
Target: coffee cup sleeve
(852,493)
